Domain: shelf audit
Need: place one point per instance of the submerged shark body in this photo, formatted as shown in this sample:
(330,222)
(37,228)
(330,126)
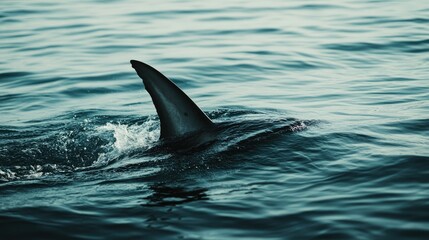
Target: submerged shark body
(178,114)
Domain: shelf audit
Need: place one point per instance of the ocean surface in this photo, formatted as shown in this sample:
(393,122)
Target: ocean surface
(322,109)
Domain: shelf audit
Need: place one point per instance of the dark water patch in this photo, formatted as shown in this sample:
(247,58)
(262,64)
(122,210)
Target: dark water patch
(224,32)
(22,35)
(411,233)
(405,46)
(41,81)
(104,33)
(377,20)
(63,27)
(96,33)
(391,79)
(173,13)
(299,65)
(9,20)
(263,52)
(399,90)
(224,18)
(74,222)
(44,53)
(32,107)
(246,31)
(319,7)
(408,126)
(412,20)
(8,101)
(422,50)
(9,75)
(391,102)
(402,170)
(13,225)
(19,12)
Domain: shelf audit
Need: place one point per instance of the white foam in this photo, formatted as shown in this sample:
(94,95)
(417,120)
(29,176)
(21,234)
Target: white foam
(299,127)
(127,138)
(130,137)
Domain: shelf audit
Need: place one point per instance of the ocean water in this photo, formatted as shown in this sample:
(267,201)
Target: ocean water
(322,109)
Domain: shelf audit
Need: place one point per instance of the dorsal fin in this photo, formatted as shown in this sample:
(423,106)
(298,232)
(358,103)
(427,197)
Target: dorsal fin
(178,114)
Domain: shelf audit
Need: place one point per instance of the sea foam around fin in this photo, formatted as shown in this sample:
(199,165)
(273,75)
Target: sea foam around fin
(127,138)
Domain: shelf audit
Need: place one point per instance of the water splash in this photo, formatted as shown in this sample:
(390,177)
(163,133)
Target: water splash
(127,138)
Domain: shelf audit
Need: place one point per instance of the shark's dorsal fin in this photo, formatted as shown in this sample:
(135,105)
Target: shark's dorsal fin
(178,114)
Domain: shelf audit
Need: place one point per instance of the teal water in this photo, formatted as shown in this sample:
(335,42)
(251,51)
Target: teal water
(322,106)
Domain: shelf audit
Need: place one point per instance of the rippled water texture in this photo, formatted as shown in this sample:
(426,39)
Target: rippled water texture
(321,109)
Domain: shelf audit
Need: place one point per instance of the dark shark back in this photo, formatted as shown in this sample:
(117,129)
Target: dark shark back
(178,114)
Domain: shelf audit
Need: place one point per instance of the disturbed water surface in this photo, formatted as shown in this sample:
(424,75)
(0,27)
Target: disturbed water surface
(322,109)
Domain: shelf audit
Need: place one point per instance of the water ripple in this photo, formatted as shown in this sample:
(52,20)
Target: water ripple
(405,46)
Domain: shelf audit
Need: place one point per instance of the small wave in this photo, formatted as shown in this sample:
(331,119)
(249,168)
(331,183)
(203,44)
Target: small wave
(319,7)
(377,21)
(404,46)
(8,75)
(409,126)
